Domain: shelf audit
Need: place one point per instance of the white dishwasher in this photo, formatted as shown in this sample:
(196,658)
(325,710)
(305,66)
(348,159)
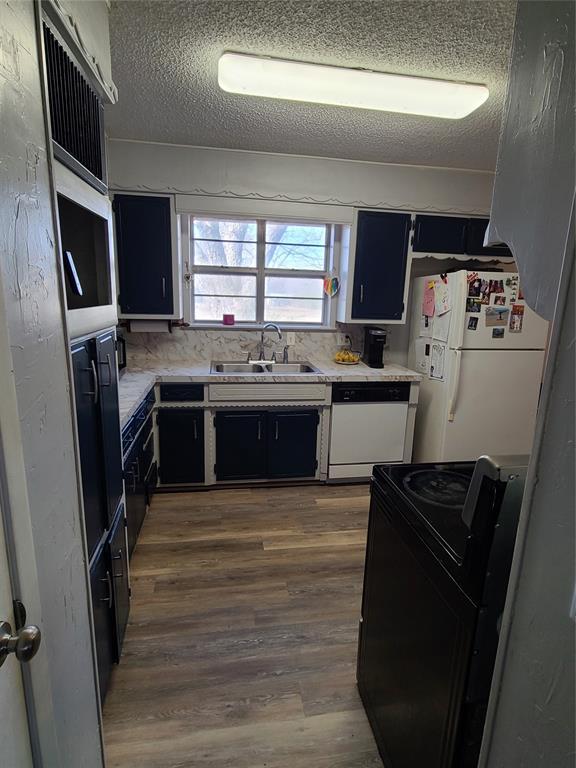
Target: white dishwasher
(368,427)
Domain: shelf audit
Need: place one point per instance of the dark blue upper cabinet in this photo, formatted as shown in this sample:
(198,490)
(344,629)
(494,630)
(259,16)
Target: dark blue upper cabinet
(475,241)
(144,253)
(440,234)
(380,265)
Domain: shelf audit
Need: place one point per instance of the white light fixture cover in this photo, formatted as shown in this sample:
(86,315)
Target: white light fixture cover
(298,81)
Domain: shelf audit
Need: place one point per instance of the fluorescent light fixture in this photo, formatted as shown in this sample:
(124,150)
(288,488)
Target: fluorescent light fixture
(298,81)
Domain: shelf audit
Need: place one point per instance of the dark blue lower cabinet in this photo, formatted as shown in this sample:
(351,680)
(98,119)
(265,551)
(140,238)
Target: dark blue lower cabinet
(120,580)
(259,445)
(240,445)
(292,441)
(181,442)
(104,619)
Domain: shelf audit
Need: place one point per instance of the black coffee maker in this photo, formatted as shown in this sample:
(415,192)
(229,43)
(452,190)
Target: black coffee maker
(374,343)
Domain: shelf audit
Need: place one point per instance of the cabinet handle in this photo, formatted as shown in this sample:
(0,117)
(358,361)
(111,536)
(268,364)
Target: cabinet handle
(108,363)
(361,293)
(259,430)
(163,287)
(108,581)
(195,430)
(118,557)
(95,380)
(276,430)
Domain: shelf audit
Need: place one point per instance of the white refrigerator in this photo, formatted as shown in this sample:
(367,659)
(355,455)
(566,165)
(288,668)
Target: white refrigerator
(481,351)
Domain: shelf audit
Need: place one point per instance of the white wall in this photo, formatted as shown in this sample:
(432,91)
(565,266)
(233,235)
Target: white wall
(149,167)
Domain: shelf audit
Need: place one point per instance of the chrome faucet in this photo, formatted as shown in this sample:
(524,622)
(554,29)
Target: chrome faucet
(262,355)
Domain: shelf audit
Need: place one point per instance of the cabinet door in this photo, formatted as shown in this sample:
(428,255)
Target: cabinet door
(103,613)
(475,241)
(135,494)
(144,252)
(120,580)
(90,443)
(240,445)
(292,439)
(440,234)
(380,265)
(181,441)
(110,418)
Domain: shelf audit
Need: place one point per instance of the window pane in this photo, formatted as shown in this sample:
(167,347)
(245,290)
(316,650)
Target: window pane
(295,257)
(293,310)
(220,229)
(296,234)
(213,307)
(224,285)
(208,253)
(298,287)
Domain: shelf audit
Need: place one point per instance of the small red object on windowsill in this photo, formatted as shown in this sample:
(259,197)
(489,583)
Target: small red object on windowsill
(227,319)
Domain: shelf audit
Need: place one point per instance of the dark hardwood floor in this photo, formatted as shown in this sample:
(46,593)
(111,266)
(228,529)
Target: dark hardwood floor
(241,647)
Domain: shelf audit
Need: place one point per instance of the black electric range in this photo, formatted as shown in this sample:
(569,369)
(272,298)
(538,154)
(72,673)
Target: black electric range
(440,544)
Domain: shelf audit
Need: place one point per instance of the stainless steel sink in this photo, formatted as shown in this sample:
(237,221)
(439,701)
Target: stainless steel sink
(263,368)
(293,368)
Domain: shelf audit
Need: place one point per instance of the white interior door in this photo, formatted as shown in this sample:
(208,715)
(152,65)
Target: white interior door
(14,738)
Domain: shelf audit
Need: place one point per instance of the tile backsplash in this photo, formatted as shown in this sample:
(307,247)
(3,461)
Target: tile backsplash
(197,346)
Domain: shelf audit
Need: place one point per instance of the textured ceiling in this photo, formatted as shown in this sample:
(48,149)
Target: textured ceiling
(165,54)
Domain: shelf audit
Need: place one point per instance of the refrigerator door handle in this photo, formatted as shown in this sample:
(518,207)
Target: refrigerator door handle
(454,395)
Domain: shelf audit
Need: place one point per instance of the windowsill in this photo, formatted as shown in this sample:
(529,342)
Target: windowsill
(256,327)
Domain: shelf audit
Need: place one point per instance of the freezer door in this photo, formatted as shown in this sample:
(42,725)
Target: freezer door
(505,322)
(492,403)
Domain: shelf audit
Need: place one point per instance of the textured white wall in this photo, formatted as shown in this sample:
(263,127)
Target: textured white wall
(144,167)
(29,276)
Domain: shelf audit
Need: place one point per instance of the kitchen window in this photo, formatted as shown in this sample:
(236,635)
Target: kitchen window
(259,270)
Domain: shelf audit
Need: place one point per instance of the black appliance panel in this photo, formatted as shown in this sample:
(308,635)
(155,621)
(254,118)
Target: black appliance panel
(415,641)
(368,392)
(434,496)
(179,393)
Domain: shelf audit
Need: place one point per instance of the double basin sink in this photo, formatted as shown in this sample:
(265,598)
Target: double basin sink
(271,369)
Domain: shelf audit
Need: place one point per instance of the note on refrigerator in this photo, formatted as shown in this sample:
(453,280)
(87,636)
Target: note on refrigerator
(422,355)
(426,326)
(441,327)
(441,297)
(437,360)
(428,299)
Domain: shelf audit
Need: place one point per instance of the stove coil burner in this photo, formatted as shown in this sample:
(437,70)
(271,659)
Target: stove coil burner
(442,488)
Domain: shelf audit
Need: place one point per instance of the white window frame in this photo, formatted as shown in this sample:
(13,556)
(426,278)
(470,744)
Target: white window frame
(260,271)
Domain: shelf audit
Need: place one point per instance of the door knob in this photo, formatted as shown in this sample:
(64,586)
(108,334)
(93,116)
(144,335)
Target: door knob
(24,644)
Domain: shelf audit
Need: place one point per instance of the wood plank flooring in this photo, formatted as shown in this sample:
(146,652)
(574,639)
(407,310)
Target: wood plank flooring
(241,647)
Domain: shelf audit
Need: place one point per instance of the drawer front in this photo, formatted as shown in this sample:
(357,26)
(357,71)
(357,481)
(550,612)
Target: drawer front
(273,392)
(181,393)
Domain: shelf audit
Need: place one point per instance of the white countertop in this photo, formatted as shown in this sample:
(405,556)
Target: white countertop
(135,383)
